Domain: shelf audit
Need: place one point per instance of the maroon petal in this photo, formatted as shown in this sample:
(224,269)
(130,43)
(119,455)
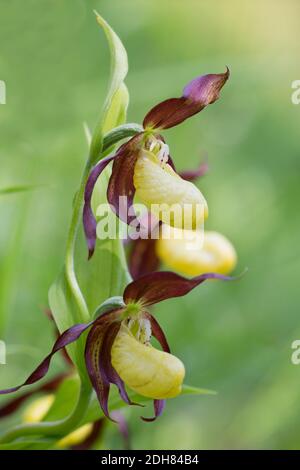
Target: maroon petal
(67,337)
(159,406)
(121,190)
(89,221)
(142,255)
(155,287)
(94,360)
(63,351)
(143,259)
(106,368)
(158,333)
(171,163)
(193,175)
(199,93)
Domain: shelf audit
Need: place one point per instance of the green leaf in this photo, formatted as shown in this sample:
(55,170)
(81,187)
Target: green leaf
(65,399)
(114,110)
(116,113)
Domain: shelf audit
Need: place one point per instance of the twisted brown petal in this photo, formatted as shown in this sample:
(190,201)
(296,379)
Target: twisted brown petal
(155,287)
(193,175)
(67,337)
(198,94)
(159,406)
(89,221)
(121,190)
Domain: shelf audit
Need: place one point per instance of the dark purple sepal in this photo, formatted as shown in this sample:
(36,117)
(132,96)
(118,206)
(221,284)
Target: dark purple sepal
(89,220)
(197,94)
(158,333)
(142,258)
(92,360)
(159,406)
(156,287)
(121,190)
(63,351)
(193,175)
(142,254)
(98,358)
(106,368)
(67,337)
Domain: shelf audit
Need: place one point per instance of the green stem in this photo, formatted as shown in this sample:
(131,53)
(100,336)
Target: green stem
(109,140)
(53,428)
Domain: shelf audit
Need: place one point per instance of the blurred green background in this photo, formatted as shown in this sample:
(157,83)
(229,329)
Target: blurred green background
(234,338)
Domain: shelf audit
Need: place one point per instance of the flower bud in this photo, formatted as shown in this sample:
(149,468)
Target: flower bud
(193,252)
(146,370)
(172,199)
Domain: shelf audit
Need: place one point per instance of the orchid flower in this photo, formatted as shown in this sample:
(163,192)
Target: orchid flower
(143,166)
(193,253)
(118,349)
(189,252)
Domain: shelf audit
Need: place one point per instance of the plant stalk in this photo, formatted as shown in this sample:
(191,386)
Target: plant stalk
(53,428)
(109,140)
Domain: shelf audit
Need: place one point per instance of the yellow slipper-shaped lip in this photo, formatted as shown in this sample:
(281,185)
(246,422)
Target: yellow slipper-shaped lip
(181,203)
(146,370)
